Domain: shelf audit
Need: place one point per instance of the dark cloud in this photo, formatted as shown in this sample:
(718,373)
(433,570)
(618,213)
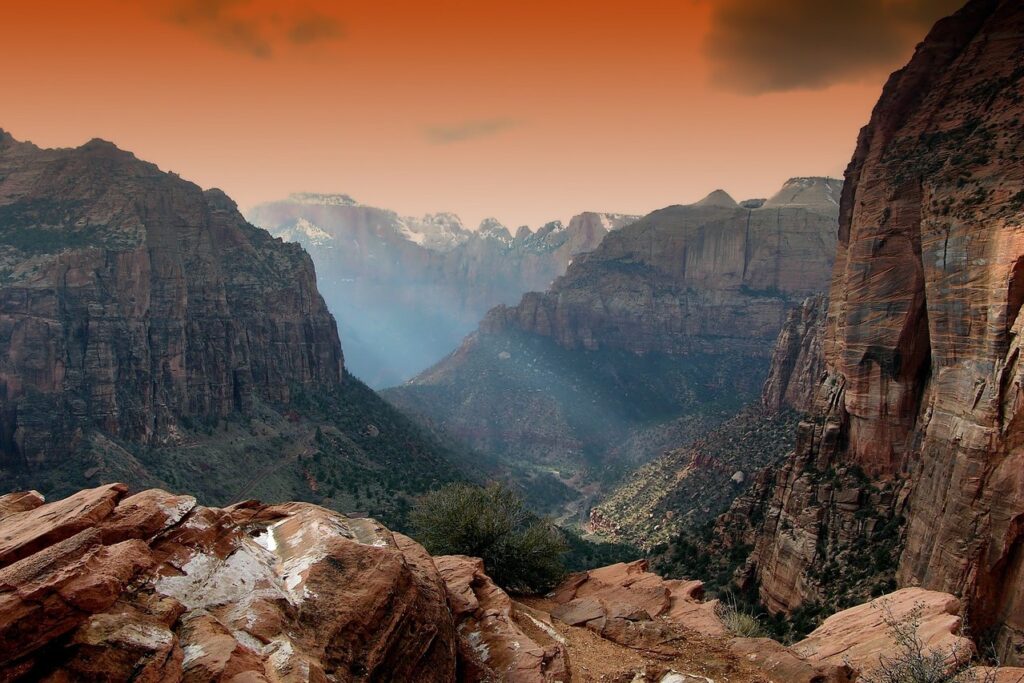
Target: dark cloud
(245,26)
(468,130)
(758,46)
(314,28)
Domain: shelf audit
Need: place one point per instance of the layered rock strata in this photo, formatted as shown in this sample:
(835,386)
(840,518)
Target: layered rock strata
(917,416)
(131,299)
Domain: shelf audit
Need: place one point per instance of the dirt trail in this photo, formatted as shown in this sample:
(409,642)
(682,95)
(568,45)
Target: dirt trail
(700,659)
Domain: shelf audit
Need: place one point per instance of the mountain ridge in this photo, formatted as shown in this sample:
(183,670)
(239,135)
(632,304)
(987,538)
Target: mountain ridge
(148,333)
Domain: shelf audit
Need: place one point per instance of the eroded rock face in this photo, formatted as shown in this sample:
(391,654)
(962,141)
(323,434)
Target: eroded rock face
(798,361)
(492,645)
(607,598)
(131,300)
(710,276)
(922,382)
(155,587)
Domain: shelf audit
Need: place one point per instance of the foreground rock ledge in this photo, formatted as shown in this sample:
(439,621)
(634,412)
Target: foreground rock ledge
(153,587)
(108,586)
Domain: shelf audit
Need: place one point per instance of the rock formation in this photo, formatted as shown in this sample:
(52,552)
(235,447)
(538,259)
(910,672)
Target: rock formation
(407,290)
(148,333)
(863,635)
(712,277)
(646,343)
(130,298)
(917,416)
(798,361)
(493,645)
(151,586)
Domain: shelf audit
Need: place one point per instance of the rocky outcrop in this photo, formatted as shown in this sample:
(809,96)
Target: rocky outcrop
(492,644)
(606,599)
(131,299)
(407,290)
(109,586)
(151,586)
(921,398)
(862,637)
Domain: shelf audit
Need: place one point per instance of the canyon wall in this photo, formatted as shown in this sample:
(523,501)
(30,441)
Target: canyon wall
(917,417)
(130,298)
(149,334)
(712,277)
(647,343)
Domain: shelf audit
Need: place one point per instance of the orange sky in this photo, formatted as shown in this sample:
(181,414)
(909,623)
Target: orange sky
(527,111)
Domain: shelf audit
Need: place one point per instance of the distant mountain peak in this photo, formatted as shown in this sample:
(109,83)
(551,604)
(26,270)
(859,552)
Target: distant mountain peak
(814,192)
(493,228)
(718,198)
(322,199)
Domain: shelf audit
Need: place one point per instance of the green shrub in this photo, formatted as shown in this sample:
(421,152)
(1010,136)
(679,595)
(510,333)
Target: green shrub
(740,624)
(521,551)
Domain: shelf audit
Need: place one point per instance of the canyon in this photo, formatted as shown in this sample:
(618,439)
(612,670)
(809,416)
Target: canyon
(660,333)
(803,408)
(404,290)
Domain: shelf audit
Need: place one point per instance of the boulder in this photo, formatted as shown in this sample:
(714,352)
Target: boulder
(154,587)
(624,589)
(859,636)
(781,663)
(492,645)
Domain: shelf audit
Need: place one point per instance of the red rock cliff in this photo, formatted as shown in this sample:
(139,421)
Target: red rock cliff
(923,382)
(130,298)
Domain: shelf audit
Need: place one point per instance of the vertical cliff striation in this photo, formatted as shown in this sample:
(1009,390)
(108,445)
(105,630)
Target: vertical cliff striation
(918,415)
(130,298)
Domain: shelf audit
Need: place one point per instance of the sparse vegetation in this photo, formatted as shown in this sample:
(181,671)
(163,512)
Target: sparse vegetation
(521,551)
(913,662)
(740,623)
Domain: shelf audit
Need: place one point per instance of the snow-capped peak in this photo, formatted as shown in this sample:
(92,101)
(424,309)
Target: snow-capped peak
(439,231)
(322,199)
(492,228)
(304,231)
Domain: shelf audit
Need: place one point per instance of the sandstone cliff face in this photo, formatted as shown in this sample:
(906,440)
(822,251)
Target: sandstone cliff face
(798,361)
(149,334)
(407,290)
(713,277)
(922,388)
(130,298)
